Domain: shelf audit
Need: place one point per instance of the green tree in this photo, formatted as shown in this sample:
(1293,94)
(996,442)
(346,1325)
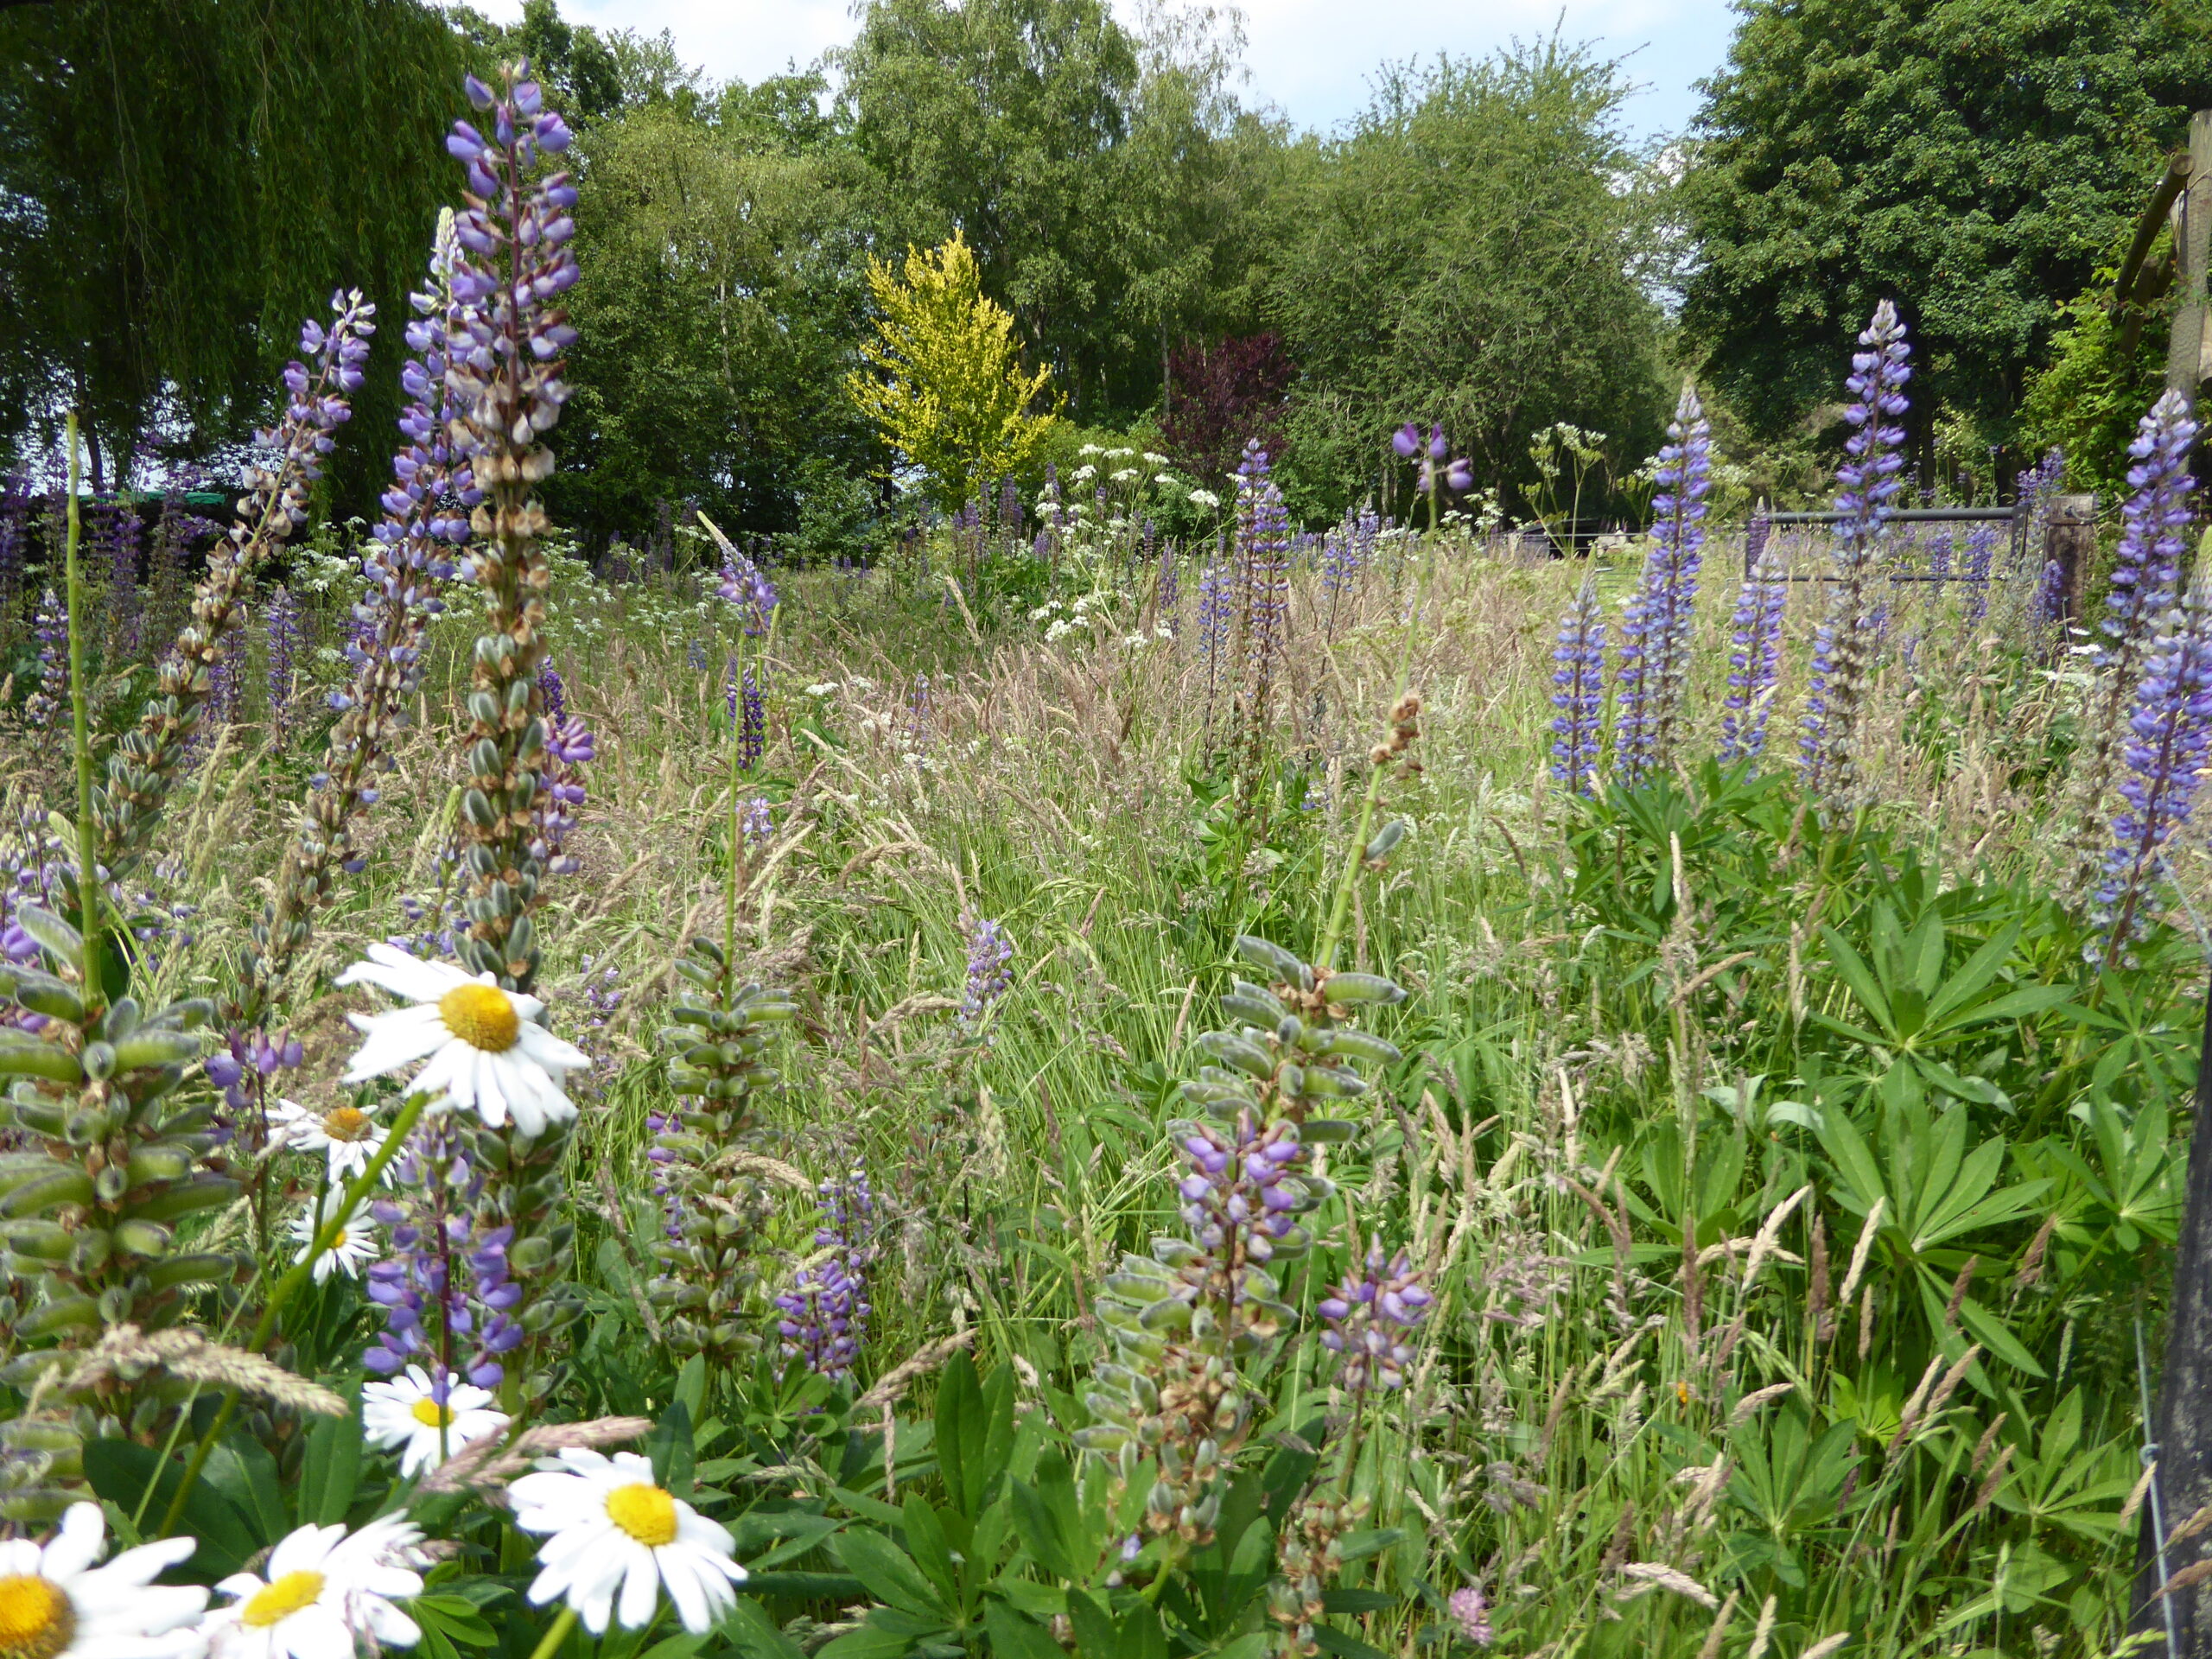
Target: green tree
(183,181)
(948,392)
(1099,173)
(1970,159)
(1465,256)
(721,302)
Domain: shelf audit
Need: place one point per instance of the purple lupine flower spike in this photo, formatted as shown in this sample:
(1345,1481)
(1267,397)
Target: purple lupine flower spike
(826,1310)
(1657,628)
(1754,654)
(2170,735)
(1868,484)
(1577,690)
(1980,556)
(2146,575)
(1367,1318)
(51,629)
(745,586)
(281,622)
(989,951)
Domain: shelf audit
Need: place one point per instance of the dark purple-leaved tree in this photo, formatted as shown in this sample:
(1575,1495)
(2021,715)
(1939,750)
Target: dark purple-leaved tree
(1222,397)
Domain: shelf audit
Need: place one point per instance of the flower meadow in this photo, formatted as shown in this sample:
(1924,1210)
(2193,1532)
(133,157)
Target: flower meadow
(1064,1091)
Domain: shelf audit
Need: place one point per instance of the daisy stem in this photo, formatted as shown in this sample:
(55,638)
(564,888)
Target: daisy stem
(556,1634)
(288,1287)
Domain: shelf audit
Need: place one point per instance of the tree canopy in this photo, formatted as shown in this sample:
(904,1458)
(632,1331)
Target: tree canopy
(1969,159)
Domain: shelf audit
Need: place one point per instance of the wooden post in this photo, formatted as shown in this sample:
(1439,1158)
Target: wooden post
(2186,364)
(2183,1431)
(2069,540)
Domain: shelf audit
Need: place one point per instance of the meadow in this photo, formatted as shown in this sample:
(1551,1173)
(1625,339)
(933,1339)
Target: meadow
(1061,1089)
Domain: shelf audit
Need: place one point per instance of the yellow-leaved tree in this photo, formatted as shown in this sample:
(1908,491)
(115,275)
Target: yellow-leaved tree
(949,390)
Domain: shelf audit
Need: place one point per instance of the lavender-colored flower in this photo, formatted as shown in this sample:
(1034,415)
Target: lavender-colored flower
(570,745)
(143,767)
(553,689)
(114,535)
(826,1310)
(1471,1613)
(1658,625)
(2047,602)
(1213,616)
(1262,575)
(1981,554)
(1754,658)
(748,590)
(989,951)
(742,697)
(2146,570)
(1167,600)
(51,629)
(2146,565)
(1406,441)
(1368,1319)
(1239,1187)
(2170,735)
(758,822)
(1867,485)
(1578,690)
(281,622)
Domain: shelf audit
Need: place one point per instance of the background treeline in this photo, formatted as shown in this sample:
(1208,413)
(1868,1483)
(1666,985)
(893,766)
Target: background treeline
(1484,246)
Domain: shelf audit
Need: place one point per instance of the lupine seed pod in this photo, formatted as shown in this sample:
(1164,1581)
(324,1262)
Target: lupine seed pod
(147,760)
(86,1211)
(1194,1322)
(714,1212)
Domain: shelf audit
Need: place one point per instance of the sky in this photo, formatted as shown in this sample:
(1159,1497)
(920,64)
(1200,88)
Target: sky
(1311,58)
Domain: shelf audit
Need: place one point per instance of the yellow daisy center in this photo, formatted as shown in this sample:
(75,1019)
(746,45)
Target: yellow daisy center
(646,1513)
(429,1413)
(481,1016)
(36,1619)
(283,1597)
(346,1123)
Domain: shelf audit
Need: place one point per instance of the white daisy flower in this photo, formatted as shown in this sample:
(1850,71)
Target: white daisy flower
(614,1530)
(407,1411)
(323,1587)
(55,1604)
(354,1248)
(347,1134)
(485,1050)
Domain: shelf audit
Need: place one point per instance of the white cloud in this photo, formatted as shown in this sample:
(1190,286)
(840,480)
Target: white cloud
(1313,59)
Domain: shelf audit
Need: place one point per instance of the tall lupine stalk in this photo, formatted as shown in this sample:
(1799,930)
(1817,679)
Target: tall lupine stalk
(504,391)
(502,388)
(118,538)
(1578,690)
(1195,1323)
(826,1310)
(1754,657)
(1262,602)
(716,1206)
(424,518)
(108,1162)
(2170,737)
(50,628)
(1832,766)
(2146,575)
(1981,555)
(1658,629)
(146,762)
(281,623)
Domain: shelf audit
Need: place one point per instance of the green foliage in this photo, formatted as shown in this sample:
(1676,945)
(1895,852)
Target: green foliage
(150,264)
(948,392)
(2089,398)
(720,297)
(1969,159)
(1465,256)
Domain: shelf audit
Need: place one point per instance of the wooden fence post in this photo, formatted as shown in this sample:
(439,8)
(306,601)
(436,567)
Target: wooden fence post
(2182,1428)
(2186,364)
(2069,541)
